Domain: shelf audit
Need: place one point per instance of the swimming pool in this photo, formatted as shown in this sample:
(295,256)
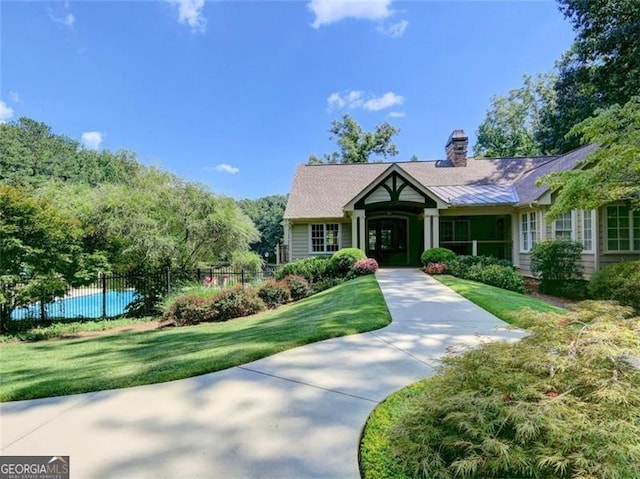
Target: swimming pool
(113,303)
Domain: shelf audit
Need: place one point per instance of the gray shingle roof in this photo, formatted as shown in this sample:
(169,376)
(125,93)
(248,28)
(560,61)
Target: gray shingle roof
(322,191)
(526,186)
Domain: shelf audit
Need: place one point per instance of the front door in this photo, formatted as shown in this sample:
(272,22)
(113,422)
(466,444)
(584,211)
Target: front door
(387,241)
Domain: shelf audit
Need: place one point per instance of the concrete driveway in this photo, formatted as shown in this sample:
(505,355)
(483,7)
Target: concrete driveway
(297,414)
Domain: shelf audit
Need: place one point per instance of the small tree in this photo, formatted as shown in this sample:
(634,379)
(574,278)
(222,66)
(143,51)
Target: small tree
(555,262)
(41,255)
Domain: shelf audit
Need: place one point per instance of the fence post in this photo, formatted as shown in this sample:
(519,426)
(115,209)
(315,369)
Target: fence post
(168,281)
(242,276)
(104,294)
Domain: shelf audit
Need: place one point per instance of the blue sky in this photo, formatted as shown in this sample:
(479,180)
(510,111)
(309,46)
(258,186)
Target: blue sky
(235,94)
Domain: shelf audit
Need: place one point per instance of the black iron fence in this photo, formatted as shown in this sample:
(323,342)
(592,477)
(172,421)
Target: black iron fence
(135,294)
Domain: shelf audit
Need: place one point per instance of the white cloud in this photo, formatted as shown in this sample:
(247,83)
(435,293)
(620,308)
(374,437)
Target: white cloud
(331,11)
(14,97)
(395,114)
(357,99)
(6,112)
(67,20)
(92,139)
(225,168)
(383,102)
(190,13)
(394,30)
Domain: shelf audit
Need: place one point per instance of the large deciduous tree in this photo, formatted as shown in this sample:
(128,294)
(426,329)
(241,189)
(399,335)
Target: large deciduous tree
(41,252)
(610,173)
(266,213)
(601,69)
(510,125)
(356,145)
(162,221)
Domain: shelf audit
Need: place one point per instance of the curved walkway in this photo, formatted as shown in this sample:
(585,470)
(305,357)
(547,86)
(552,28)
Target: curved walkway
(297,414)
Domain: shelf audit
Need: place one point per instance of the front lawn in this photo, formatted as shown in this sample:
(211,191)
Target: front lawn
(506,305)
(54,368)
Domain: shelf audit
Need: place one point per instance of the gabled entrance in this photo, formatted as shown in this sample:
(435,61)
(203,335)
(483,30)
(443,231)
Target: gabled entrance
(388,218)
(387,240)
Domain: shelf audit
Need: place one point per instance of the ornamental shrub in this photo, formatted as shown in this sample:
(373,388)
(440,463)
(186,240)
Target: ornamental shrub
(343,261)
(365,266)
(504,277)
(556,263)
(274,293)
(435,268)
(326,283)
(437,255)
(619,282)
(189,310)
(461,264)
(563,402)
(236,303)
(298,286)
(312,269)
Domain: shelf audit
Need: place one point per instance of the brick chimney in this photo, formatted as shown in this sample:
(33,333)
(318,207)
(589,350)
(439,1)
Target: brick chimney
(456,148)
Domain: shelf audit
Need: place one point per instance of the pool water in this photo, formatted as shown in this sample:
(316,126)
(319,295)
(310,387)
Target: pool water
(88,306)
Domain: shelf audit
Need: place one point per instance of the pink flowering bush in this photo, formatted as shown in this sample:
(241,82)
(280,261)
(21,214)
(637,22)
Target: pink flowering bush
(365,266)
(435,268)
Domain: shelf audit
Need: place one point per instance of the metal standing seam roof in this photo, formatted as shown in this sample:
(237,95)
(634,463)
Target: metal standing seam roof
(469,195)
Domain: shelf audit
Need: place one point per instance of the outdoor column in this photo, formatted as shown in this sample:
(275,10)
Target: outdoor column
(431,228)
(357,230)
(363,230)
(427,230)
(515,239)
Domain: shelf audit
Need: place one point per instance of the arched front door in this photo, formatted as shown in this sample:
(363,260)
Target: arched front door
(387,240)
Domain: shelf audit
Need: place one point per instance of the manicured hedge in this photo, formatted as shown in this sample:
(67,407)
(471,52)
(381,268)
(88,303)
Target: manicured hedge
(343,261)
(437,255)
(619,282)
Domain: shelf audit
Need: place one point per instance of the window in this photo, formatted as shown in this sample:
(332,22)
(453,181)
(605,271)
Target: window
(587,229)
(528,231)
(623,229)
(563,226)
(325,238)
(455,230)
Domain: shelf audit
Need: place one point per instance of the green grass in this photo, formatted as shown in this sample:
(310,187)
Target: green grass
(377,459)
(70,328)
(53,368)
(504,304)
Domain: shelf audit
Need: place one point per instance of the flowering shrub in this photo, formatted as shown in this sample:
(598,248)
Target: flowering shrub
(188,310)
(435,268)
(298,286)
(236,303)
(365,266)
(274,293)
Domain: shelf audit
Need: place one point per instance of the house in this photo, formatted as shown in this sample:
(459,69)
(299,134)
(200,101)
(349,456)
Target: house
(474,206)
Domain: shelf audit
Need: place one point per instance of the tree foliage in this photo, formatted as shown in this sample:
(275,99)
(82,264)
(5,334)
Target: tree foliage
(161,222)
(561,402)
(511,123)
(356,145)
(41,252)
(601,69)
(266,213)
(611,172)
(31,155)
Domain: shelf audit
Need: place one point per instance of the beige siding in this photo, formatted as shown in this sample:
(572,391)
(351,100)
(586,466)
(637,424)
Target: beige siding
(409,194)
(300,239)
(346,235)
(377,196)
(525,263)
